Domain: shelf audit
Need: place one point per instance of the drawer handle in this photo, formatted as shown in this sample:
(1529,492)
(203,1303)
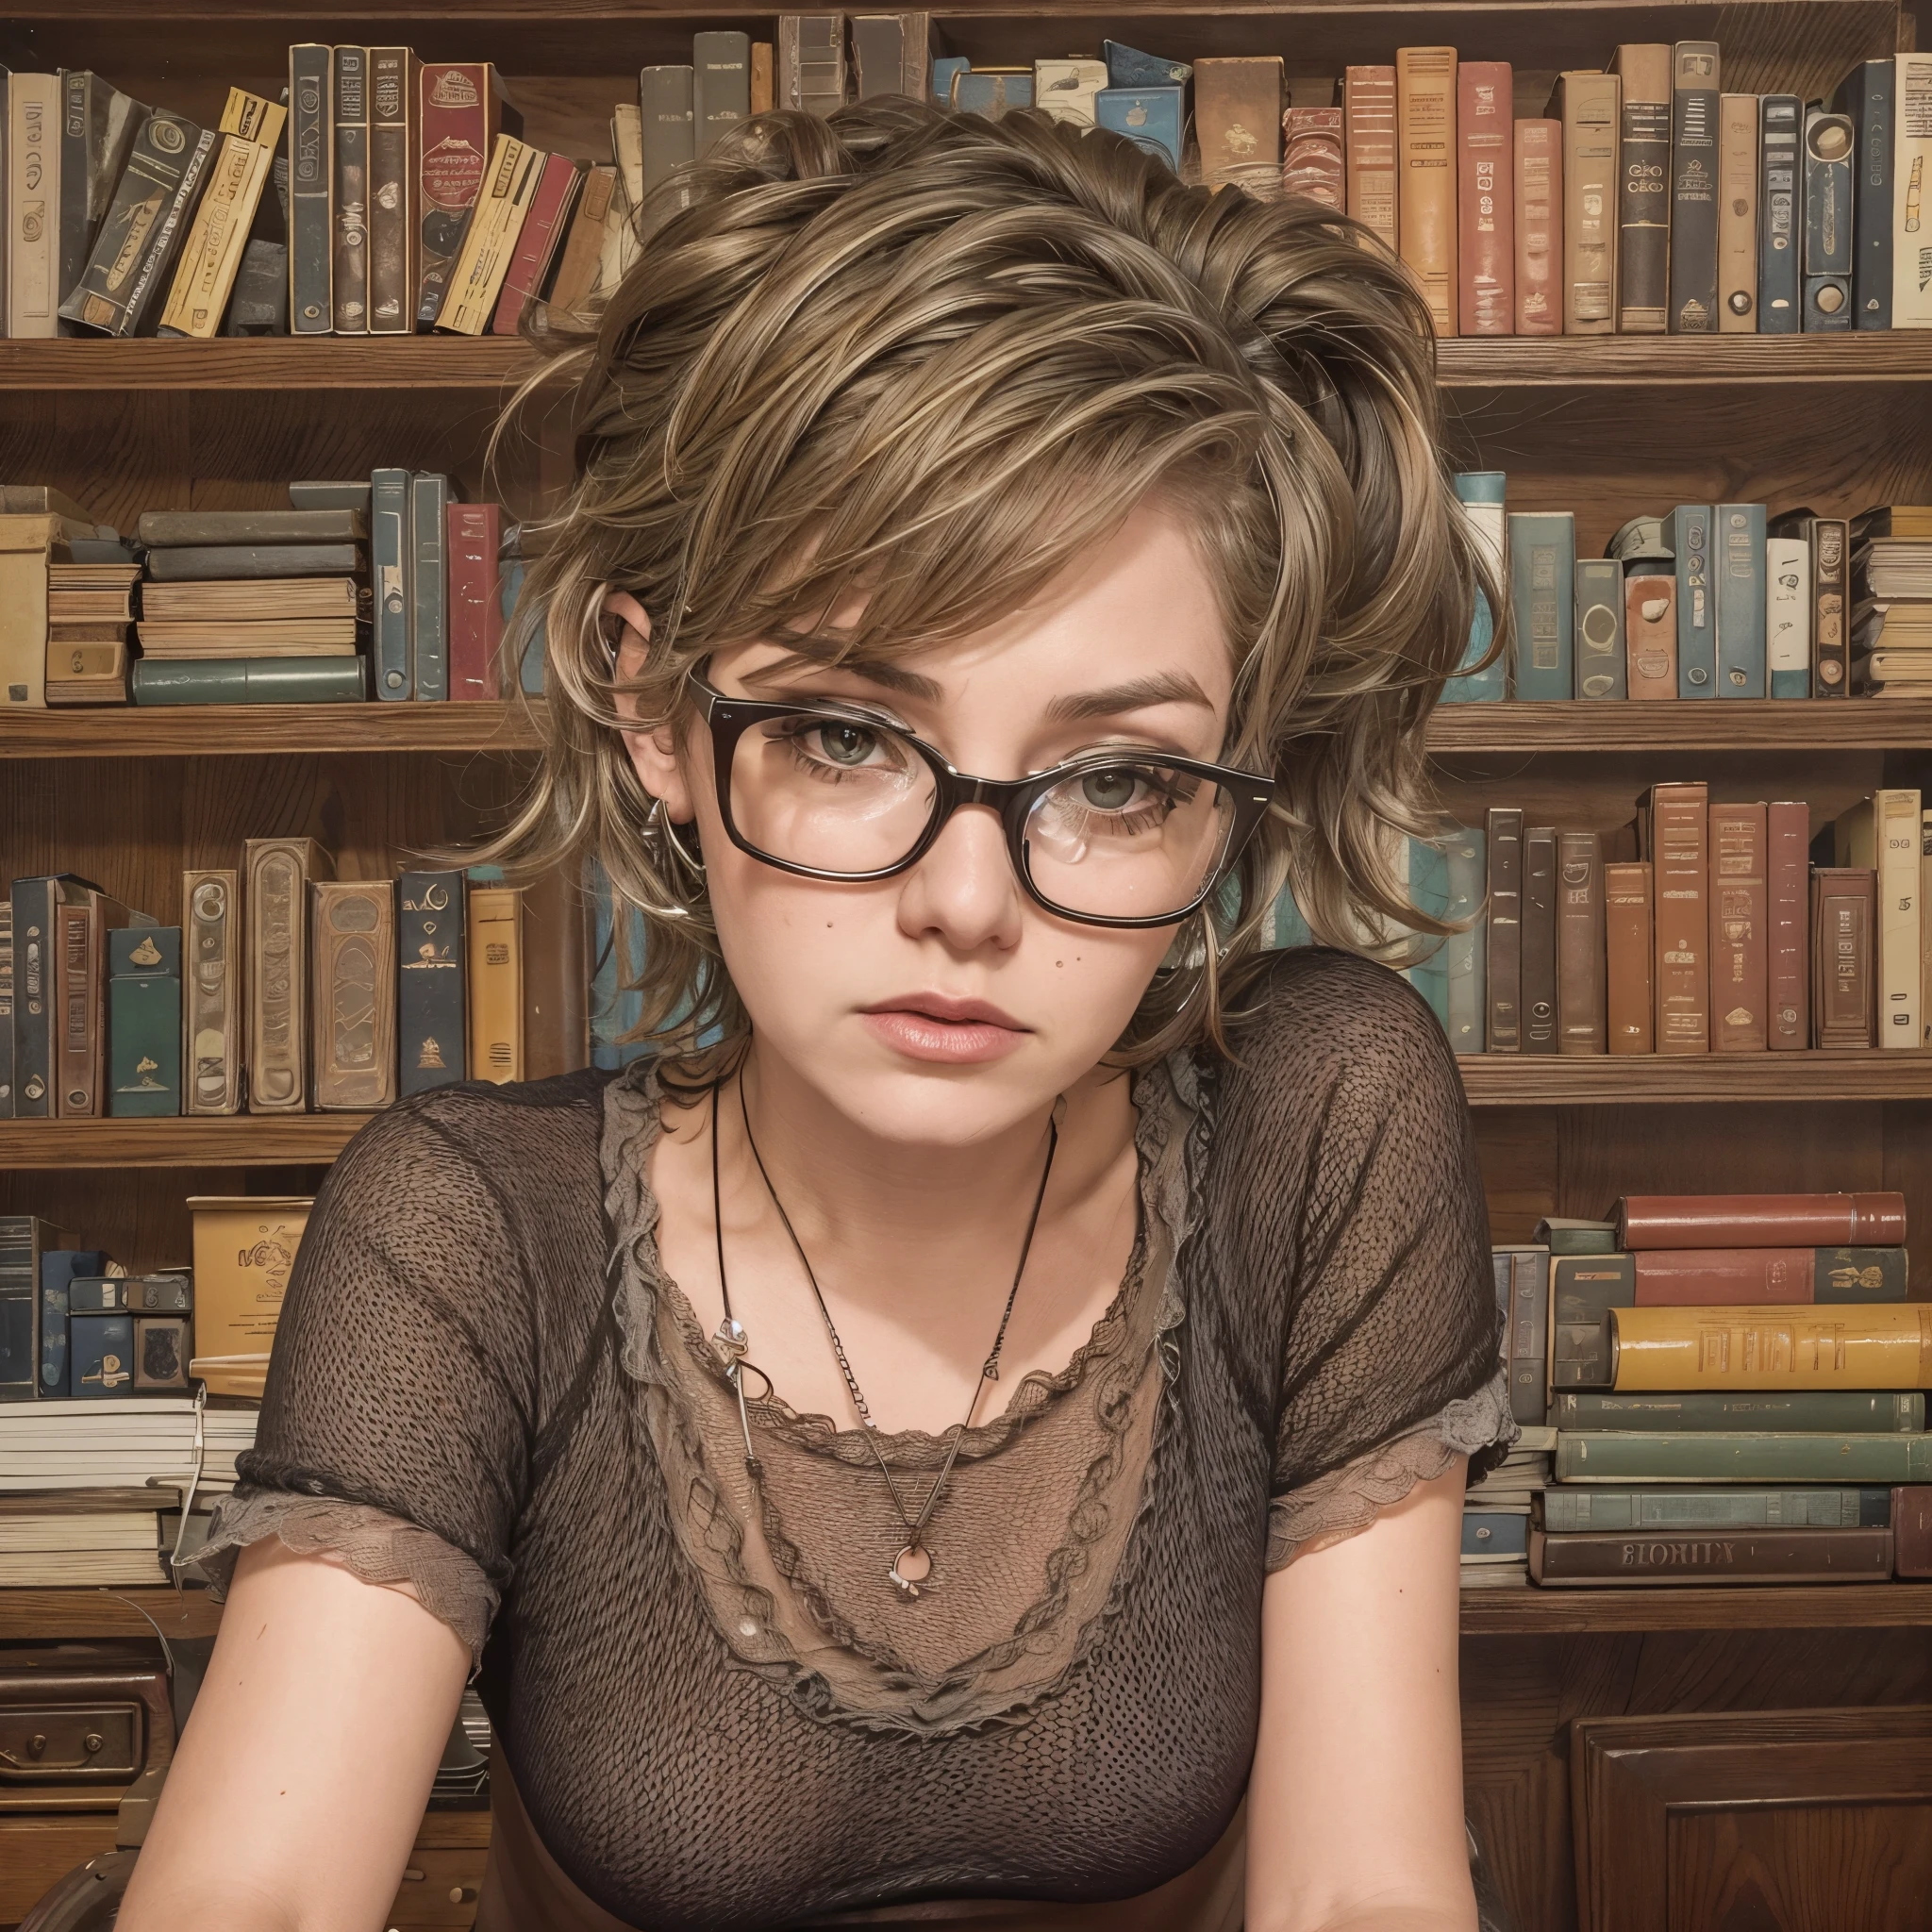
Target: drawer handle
(461,1895)
(411,1872)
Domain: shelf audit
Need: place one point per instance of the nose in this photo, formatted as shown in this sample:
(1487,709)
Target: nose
(964,891)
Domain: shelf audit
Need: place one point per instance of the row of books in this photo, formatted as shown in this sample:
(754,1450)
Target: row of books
(1711,1388)
(1700,927)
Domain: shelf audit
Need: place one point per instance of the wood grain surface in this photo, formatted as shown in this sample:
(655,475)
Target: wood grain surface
(175,731)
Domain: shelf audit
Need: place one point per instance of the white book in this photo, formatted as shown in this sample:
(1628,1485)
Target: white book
(1788,613)
(1911,164)
(1883,832)
(33,204)
(85,1529)
(52,1569)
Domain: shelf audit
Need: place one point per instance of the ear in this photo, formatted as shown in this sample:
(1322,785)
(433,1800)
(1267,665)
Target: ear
(653,748)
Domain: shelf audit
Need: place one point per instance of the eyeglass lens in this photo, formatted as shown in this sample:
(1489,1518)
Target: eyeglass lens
(1131,840)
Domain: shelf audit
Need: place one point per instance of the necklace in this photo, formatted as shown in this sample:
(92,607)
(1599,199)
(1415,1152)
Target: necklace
(912,1566)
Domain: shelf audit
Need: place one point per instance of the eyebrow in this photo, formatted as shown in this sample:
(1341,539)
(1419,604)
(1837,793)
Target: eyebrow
(1162,688)
(888,676)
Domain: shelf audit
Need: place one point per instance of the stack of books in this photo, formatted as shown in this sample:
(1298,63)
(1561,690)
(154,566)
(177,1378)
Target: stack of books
(1736,1385)
(1496,1512)
(89,606)
(1892,601)
(122,1442)
(112,1536)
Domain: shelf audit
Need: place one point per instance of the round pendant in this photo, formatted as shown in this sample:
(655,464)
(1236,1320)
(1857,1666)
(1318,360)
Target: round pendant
(910,1568)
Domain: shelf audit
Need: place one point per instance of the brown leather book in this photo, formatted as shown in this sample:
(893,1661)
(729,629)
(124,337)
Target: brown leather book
(1368,100)
(1650,636)
(1737,214)
(576,269)
(1844,1001)
(557,976)
(1590,106)
(1643,193)
(1739,921)
(1237,122)
(1627,953)
(1876,1219)
(1784,1555)
(1539,940)
(1787,922)
(1486,198)
(763,91)
(1674,828)
(1425,192)
(352,926)
(1718,1277)
(1538,227)
(1911,1530)
(1582,1016)
(494,949)
(1312,162)
(276,907)
(1503,935)
(212,1010)
(80,982)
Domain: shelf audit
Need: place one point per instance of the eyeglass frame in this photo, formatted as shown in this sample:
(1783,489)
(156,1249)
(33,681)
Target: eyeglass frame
(728,718)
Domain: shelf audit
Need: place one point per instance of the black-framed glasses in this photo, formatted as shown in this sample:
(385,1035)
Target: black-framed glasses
(1115,837)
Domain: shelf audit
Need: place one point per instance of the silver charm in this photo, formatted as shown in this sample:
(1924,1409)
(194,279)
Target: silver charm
(910,1568)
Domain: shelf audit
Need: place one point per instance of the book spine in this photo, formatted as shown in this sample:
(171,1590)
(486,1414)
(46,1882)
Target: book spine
(33,204)
(50,1351)
(311,171)
(1787,964)
(495,943)
(1542,553)
(475,603)
(720,81)
(430,980)
(1828,160)
(575,279)
(78,89)
(1593,105)
(764,84)
(1718,1277)
(1761,1457)
(1831,544)
(1693,188)
(456,127)
(1924,935)
(1896,813)
(1788,616)
(1779,215)
(1843,909)
(1691,535)
(1644,194)
(1739,919)
(1627,958)
(211,255)
(1528,1336)
(812,62)
(1464,952)
(1425,195)
(537,247)
(1911,154)
(349,255)
(1721,1411)
(1875,1218)
(391,554)
(1539,940)
(213,1001)
(6,1009)
(1583,1291)
(1582,1015)
(490,242)
(1588,1508)
(1738,174)
(34,904)
(353,978)
(1867,96)
(1601,671)
(280,874)
(1480,493)
(1911,1530)
(248,681)
(394,217)
(1312,162)
(1860,1275)
(1650,636)
(1236,118)
(1486,226)
(144,1069)
(77,1015)
(669,125)
(1857,1345)
(1504,934)
(1369,112)
(1538,227)
(1680,885)
(429,586)
(1803,1556)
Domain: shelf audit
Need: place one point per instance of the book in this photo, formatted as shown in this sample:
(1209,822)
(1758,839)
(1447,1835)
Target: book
(1129,67)
(143,1060)
(1643,188)
(86,673)
(1872,1220)
(1588,1508)
(395,218)
(1674,823)
(214,998)
(1844,943)
(430,980)
(392,558)
(26,541)
(33,204)
(1064,87)
(1694,189)
(1650,634)
(352,982)
(35,903)
(98,126)
(1788,916)
(812,62)
(1882,833)
(311,181)
(81,925)
(1911,1530)
(1826,162)
(1522,1284)
(721,76)
(1627,952)
(1788,616)
(1539,940)
(1802,1412)
(349,202)
(244,1248)
(551,206)
(1464,952)
(1564,1233)
(1867,97)
(494,943)
(1152,118)
(280,874)
(230,560)
(1796,1556)
(1590,106)
(898,61)
(1694,1278)
(1538,227)
(1367,101)
(1481,495)
(1911,247)
(994,92)
(475,599)
(1543,553)
(175,529)
(1237,122)
(1425,175)
(1628,1455)
(336,680)
(667,136)
(1486,190)
(575,280)
(27,1246)
(1583,1291)
(1781,215)
(6,984)
(1312,159)
(1687,536)
(211,257)
(460,114)
(265,600)
(1582,1011)
(503,203)
(1738,175)
(1852,1346)
(1503,963)
(1600,664)
(1738,918)
(428,586)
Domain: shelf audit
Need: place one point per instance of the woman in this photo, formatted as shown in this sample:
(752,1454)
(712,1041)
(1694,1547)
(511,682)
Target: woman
(995,1392)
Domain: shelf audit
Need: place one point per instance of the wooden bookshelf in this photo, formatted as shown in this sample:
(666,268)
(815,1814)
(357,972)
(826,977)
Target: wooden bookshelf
(1509,1079)
(172,732)
(237,1140)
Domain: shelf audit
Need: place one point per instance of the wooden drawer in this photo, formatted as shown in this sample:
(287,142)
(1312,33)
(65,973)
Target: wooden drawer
(35,1852)
(445,1893)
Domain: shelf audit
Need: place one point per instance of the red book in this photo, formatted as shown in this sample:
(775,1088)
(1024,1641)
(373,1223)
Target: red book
(1787,887)
(1723,1277)
(1539,228)
(1311,157)
(1876,1219)
(461,116)
(1738,974)
(1486,184)
(475,602)
(1911,1529)
(536,245)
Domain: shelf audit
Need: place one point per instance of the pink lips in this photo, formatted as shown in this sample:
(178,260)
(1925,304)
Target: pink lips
(935,1026)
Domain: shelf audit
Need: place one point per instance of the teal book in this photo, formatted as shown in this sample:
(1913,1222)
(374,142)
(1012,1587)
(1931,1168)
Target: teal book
(1542,606)
(1429,891)
(1154,118)
(1495,1533)
(1481,494)
(392,559)
(1621,1456)
(1687,536)
(1791,1412)
(143,1022)
(248,681)
(1588,1507)
(1465,954)
(944,66)
(1738,565)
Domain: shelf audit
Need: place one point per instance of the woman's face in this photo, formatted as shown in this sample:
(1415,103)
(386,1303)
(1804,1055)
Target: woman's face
(945,1005)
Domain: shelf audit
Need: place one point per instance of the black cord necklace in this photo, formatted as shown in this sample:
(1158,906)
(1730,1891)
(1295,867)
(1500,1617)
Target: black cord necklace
(912,1566)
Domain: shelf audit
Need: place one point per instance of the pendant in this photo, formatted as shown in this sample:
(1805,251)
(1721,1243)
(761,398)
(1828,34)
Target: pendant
(910,1568)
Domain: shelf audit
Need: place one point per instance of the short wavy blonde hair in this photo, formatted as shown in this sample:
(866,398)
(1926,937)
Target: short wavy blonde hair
(916,362)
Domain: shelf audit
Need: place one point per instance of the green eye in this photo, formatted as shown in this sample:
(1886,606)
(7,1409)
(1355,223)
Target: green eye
(847,744)
(1107,791)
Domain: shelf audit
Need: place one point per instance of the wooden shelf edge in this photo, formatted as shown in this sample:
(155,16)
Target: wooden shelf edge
(92,1613)
(1534,1611)
(298,1139)
(1742,724)
(254,730)
(1692,1079)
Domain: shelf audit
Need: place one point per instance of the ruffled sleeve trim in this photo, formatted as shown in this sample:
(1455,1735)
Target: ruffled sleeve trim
(1347,1500)
(378,1547)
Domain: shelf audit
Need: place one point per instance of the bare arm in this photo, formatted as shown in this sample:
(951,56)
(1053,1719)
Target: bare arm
(1355,1808)
(301,1778)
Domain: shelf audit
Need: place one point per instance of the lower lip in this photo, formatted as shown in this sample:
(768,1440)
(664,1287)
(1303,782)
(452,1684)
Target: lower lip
(952,1042)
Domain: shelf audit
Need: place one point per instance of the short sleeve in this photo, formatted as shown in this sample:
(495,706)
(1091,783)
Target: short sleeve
(1392,1360)
(398,1413)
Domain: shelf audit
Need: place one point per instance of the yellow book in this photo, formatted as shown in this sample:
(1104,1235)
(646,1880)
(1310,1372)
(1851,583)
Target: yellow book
(510,185)
(244,1247)
(26,542)
(205,279)
(1855,1345)
(495,947)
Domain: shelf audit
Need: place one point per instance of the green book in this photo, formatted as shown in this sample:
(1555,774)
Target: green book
(1565,1237)
(1617,1455)
(1799,1411)
(1588,1507)
(249,681)
(143,1021)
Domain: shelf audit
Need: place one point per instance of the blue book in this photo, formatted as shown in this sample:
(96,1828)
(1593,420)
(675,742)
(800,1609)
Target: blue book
(1780,214)
(1869,94)
(1542,598)
(1129,67)
(1151,117)
(59,1269)
(992,94)
(943,68)
(390,555)
(1686,537)
(1481,494)
(1465,954)
(1495,1532)
(1429,891)
(101,1352)
(1738,566)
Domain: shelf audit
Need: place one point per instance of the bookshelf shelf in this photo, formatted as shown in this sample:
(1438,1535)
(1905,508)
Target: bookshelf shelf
(91,1613)
(1502,1079)
(1794,725)
(1529,1612)
(290,1140)
(252,730)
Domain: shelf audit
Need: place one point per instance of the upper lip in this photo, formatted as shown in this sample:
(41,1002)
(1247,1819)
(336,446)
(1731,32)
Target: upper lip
(940,1006)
